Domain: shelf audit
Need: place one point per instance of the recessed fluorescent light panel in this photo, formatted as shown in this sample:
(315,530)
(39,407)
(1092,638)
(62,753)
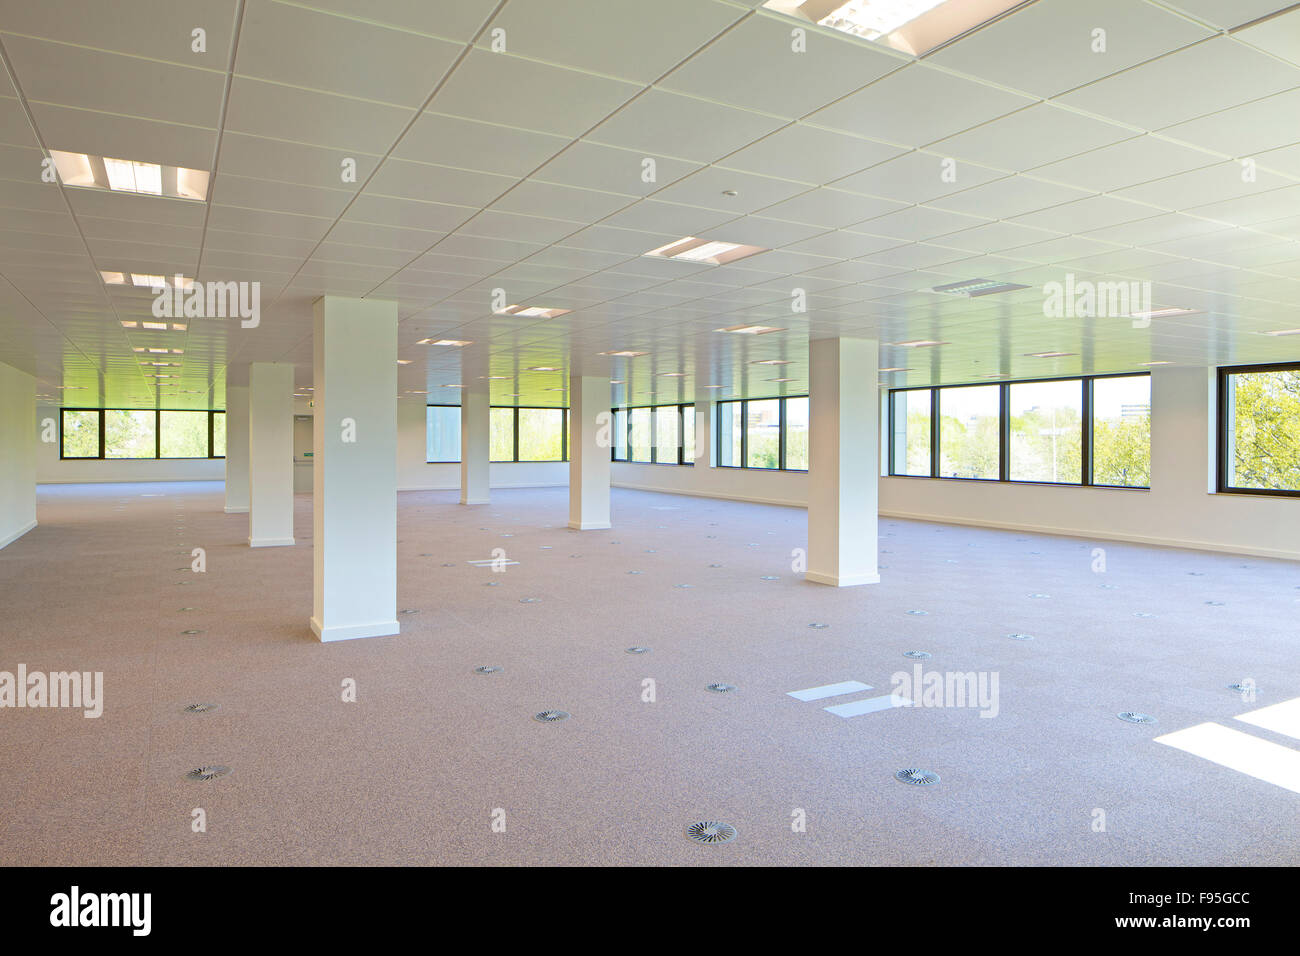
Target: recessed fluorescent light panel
(750,329)
(1163,313)
(919,344)
(533,311)
(1284,332)
(1047,354)
(912,26)
(711,251)
(977,287)
(454,343)
(85,171)
(625,354)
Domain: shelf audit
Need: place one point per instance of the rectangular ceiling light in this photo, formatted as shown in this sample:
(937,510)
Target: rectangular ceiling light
(455,343)
(750,329)
(86,171)
(911,26)
(1163,313)
(533,311)
(1047,354)
(977,287)
(144,280)
(625,354)
(713,252)
(919,344)
(1284,332)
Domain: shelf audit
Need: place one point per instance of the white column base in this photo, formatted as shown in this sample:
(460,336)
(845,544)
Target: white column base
(237,510)
(590,525)
(353,631)
(475,501)
(269,542)
(841,580)
(10,539)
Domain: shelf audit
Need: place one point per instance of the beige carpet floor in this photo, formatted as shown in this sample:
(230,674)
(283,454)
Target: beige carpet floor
(412,772)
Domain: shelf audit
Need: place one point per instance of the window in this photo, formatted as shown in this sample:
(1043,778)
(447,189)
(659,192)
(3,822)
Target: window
(130,434)
(731,435)
(619,438)
(655,434)
(969,443)
(1094,430)
(541,434)
(183,435)
(910,431)
(796,434)
(1259,430)
(125,433)
(1121,431)
(80,433)
(1047,431)
(502,442)
(442,434)
(638,434)
(767,433)
(218,434)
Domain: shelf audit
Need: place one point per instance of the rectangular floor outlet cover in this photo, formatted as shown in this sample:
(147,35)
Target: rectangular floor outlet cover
(856,708)
(829,690)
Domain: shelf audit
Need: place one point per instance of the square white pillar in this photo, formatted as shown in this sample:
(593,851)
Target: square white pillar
(843,461)
(270,454)
(18,444)
(354,471)
(590,424)
(236,449)
(475,444)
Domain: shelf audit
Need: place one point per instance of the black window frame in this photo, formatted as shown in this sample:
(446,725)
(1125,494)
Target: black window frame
(782,441)
(682,458)
(1223,430)
(1087,426)
(157,434)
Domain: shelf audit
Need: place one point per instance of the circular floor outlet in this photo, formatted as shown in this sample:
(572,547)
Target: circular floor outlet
(488,669)
(770,577)
(638,649)
(818,626)
(528,600)
(919,613)
(1244,688)
(1039,597)
(683,585)
(1143,614)
(1215,603)
(917,778)
(918,655)
(551,716)
(188,609)
(715,565)
(491,584)
(193,630)
(199,708)
(207,772)
(710,832)
(1133,717)
(634,572)
(1021,637)
(409,610)
(719,688)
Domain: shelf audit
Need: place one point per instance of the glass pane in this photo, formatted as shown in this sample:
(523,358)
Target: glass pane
(1121,431)
(911,433)
(541,434)
(129,434)
(688,435)
(620,434)
(763,424)
(968,431)
(1264,430)
(442,433)
(640,418)
(796,434)
(502,445)
(1047,431)
(80,434)
(729,419)
(184,434)
(667,439)
(218,434)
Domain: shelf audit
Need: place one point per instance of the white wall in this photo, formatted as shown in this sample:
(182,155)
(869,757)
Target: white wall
(50,469)
(1180,510)
(18,449)
(414,473)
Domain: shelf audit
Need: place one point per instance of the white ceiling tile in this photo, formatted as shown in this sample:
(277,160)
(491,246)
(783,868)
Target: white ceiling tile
(808,154)
(1228,15)
(917,177)
(831,208)
(1128,163)
(452,19)
(1205,78)
(1048,47)
(668,124)
(307,116)
(1031,137)
(917,105)
(534,198)
(1005,198)
(1210,184)
(403,179)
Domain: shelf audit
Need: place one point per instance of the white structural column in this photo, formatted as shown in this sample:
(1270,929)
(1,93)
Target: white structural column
(843,461)
(270,454)
(590,435)
(18,441)
(354,444)
(236,449)
(475,442)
